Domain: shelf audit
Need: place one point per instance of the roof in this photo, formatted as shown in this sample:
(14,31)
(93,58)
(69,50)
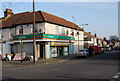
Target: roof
(88,34)
(0,18)
(40,16)
(99,38)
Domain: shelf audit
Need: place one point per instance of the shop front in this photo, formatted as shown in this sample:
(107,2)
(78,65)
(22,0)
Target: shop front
(59,49)
(47,45)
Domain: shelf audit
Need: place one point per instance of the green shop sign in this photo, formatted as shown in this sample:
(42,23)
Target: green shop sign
(42,36)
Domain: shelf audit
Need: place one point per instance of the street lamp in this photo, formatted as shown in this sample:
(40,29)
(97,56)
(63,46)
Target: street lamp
(83,24)
(79,34)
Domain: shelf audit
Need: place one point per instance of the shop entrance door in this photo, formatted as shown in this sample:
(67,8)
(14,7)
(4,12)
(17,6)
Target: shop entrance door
(60,49)
(12,49)
(42,48)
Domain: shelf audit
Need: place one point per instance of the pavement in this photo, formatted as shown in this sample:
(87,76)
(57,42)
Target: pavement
(42,61)
(39,62)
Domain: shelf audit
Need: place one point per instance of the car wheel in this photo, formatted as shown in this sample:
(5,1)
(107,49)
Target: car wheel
(87,55)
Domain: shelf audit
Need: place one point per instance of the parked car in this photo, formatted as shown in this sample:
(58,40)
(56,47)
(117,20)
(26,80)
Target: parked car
(83,52)
(96,49)
(117,48)
(102,49)
(108,48)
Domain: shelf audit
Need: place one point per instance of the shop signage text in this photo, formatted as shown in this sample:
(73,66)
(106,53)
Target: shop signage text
(59,44)
(42,36)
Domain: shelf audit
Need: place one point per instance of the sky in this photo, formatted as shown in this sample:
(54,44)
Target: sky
(101,17)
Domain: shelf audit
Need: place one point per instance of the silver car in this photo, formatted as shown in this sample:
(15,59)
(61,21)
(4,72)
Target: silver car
(83,52)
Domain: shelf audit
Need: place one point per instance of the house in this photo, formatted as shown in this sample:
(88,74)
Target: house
(55,36)
(100,42)
(90,40)
(106,42)
(117,43)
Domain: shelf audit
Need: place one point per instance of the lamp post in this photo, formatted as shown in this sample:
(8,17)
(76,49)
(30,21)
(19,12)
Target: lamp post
(83,24)
(79,34)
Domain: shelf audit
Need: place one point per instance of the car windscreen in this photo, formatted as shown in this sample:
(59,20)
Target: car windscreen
(81,50)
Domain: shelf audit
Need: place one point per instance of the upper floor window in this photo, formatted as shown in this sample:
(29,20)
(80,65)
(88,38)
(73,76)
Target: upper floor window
(12,32)
(63,31)
(87,39)
(67,33)
(21,30)
(72,32)
(27,25)
(41,31)
(78,33)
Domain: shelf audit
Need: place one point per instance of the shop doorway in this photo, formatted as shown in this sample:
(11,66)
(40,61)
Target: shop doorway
(12,49)
(60,51)
(42,50)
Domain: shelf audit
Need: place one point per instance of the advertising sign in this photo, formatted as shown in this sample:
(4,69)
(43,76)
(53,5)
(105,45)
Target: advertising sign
(43,36)
(59,44)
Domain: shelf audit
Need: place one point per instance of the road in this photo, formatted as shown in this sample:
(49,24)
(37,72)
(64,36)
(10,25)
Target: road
(96,68)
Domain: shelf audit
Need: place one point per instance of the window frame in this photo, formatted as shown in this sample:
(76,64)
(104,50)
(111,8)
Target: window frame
(20,29)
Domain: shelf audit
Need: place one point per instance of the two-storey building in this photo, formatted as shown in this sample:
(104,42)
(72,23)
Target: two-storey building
(90,40)
(55,36)
(100,42)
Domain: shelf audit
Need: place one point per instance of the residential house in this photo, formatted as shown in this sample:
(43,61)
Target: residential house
(117,43)
(106,42)
(100,42)
(89,40)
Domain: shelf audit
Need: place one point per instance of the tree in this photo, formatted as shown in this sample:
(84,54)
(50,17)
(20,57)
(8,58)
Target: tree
(113,39)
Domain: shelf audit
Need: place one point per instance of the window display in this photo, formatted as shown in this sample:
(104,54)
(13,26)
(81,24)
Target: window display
(65,50)
(54,51)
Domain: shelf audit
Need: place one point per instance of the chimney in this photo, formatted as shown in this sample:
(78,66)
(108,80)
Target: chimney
(95,35)
(8,12)
(89,32)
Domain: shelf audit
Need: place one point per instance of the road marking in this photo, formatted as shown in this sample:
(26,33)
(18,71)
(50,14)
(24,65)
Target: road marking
(116,77)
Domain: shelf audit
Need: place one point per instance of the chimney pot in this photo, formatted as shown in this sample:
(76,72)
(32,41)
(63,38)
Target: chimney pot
(89,32)
(8,12)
